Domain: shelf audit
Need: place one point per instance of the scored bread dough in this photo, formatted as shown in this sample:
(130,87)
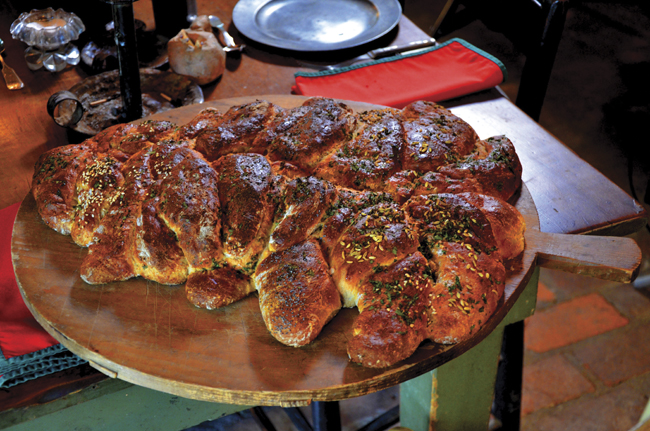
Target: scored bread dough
(401,213)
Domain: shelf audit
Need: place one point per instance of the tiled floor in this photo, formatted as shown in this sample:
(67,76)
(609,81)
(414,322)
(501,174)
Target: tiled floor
(587,358)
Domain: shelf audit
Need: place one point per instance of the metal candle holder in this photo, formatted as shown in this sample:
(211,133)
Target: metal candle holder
(127,56)
(48,33)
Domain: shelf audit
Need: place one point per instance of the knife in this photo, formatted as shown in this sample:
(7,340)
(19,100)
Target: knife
(376,54)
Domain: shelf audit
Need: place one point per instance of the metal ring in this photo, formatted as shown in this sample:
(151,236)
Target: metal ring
(59,97)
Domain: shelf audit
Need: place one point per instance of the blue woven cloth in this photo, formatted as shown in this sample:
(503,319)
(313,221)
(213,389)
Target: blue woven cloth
(19,369)
(29,352)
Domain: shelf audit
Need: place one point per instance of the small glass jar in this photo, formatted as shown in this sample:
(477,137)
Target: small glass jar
(48,34)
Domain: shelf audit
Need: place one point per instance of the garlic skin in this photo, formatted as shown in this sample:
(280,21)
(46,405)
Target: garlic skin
(196,54)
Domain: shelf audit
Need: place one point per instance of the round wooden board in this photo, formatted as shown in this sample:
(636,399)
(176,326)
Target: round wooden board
(150,335)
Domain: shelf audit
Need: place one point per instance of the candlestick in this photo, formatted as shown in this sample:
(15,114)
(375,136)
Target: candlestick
(127,57)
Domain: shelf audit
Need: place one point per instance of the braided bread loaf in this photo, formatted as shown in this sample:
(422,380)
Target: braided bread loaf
(401,213)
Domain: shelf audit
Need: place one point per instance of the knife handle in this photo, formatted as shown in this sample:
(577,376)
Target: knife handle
(396,49)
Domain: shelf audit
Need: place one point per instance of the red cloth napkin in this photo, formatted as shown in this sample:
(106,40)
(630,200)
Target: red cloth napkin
(20,334)
(452,69)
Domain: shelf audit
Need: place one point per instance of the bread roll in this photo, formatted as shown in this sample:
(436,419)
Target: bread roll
(402,214)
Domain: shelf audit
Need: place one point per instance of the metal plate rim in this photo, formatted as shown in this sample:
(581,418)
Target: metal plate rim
(245,13)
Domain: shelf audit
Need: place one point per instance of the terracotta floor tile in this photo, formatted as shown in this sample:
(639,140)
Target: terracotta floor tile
(567,285)
(617,356)
(544,294)
(616,410)
(629,301)
(571,321)
(550,382)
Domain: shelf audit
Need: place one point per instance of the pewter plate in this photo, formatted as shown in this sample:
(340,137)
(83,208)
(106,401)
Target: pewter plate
(315,25)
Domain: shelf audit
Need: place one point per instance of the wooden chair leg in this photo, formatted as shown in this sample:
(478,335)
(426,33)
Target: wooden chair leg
(451,19)
(539,62)
(450,6)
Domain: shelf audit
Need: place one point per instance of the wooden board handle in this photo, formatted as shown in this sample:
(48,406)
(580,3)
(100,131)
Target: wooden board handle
(605,257)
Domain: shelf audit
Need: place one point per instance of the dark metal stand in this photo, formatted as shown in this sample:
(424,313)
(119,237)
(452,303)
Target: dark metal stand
(261,419)
(298,419)
(171,16)
(326,416)
(507,393)
(127,56)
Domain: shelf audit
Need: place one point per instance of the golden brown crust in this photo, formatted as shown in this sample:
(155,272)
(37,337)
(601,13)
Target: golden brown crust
(404,184)
(109,258)
(342,211)
(304,204)
(248,205)
(297,295)
(131,138)
(435,183)
(54,184)
(458,240)
(377,236)
(237,130)
(156,255)
(498,170)
(401,185)
(110,255)
(211,217)
(450,218)
(393,319)
(467,291)
(508,225)
(189,205)
(95,190)
(434,137)
(367,160)
(304,135)
(287,171)
(206,119)
(217,287)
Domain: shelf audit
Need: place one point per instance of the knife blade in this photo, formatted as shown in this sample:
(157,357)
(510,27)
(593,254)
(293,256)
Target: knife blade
(375,54)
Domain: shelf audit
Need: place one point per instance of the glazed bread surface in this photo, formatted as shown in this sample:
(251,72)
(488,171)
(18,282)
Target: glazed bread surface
(403,214)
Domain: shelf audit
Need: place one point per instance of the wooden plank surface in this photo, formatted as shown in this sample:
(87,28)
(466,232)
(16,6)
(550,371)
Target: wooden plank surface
(149,334)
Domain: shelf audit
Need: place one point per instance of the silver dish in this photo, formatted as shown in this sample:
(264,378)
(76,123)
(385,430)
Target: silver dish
(47,29)
(315,25)
(95,103)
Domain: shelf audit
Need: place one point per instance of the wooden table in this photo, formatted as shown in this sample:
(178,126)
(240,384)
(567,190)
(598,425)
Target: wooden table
(570,196)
